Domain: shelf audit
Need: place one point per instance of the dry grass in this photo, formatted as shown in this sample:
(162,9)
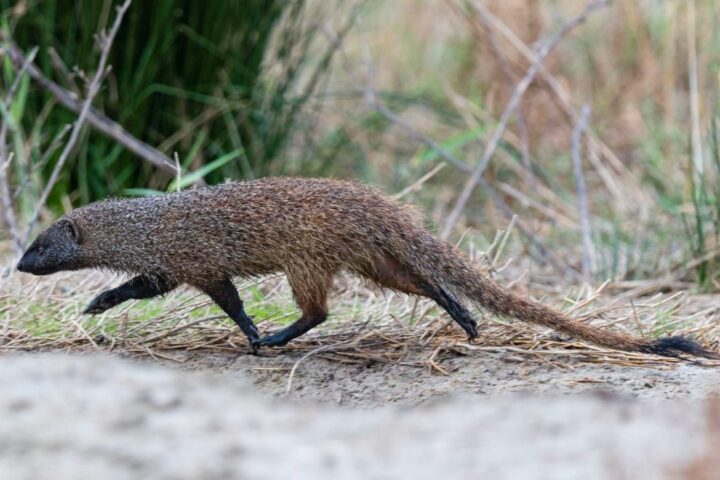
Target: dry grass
(367,325)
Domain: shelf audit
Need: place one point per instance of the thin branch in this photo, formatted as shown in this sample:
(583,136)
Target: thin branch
(5,195)
(324,348)
(371,99)
(417,185)
(16,83)
(697,151)
(564,101)
(514,101)
(96,119)
(588,250)
(105,40)
(39,165)
(62,69)
(497,52)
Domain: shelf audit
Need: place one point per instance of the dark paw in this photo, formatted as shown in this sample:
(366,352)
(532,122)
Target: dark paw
(472,333)
(254,347)
(275,340)
(101,303)
(253,337)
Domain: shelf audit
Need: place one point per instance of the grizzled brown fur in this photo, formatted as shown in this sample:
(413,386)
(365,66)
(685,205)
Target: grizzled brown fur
(308,229)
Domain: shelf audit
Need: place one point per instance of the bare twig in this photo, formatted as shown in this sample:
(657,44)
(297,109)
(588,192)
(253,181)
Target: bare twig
(105,40)
(697,153)
(322,348)
(96,119)
(62,69)
(16,83)
(417,185)
(588,251)
(514,101)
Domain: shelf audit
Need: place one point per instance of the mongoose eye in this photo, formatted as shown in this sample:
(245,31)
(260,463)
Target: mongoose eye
(41,250)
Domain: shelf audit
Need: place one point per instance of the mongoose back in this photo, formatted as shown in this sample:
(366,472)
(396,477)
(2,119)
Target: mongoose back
(308,229)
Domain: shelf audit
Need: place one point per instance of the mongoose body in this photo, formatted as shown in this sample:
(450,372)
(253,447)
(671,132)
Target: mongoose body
(308,229)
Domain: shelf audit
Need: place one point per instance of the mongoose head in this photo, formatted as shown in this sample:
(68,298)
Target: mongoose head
(54,250)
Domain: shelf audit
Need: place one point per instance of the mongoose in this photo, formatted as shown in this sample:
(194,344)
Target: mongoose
(308,229)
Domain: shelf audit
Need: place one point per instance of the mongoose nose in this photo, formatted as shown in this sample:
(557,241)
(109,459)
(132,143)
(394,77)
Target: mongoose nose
(21,265)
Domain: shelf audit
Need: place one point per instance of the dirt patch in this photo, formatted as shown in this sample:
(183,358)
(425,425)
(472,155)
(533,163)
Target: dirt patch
(106,417)
(376,384)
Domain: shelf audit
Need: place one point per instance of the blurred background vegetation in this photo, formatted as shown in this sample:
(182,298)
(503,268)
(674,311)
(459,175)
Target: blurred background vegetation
(203,79)
(277,87)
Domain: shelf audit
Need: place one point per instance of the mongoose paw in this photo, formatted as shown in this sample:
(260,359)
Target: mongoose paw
(471,331)
(101,303)
(277,339)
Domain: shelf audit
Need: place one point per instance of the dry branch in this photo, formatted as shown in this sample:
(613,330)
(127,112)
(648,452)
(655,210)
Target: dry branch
(564,101)
(588,251)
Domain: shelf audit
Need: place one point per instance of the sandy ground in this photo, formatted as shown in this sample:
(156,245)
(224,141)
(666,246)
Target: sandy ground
(377,384)
(101,416)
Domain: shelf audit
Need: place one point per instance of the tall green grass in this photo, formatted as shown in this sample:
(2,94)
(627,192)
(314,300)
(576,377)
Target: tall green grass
(202,79)
(702,223)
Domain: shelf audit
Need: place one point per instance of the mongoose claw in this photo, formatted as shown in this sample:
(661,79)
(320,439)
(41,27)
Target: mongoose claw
(93,309)
(472,334)
(100,304)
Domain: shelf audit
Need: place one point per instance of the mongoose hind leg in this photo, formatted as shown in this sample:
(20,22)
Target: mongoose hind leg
(452,306)
(309,319)
(311,297)
(224,293)
(389,273)
(142,286)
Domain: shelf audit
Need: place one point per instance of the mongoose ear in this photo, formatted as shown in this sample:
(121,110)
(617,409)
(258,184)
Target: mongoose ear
(72,228)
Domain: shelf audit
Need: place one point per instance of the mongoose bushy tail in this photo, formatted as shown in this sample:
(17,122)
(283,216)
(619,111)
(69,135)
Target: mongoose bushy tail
(455,272)
(308,229)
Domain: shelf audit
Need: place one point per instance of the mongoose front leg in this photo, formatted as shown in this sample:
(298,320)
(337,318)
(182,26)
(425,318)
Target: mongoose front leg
(226,296)
(142,286)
